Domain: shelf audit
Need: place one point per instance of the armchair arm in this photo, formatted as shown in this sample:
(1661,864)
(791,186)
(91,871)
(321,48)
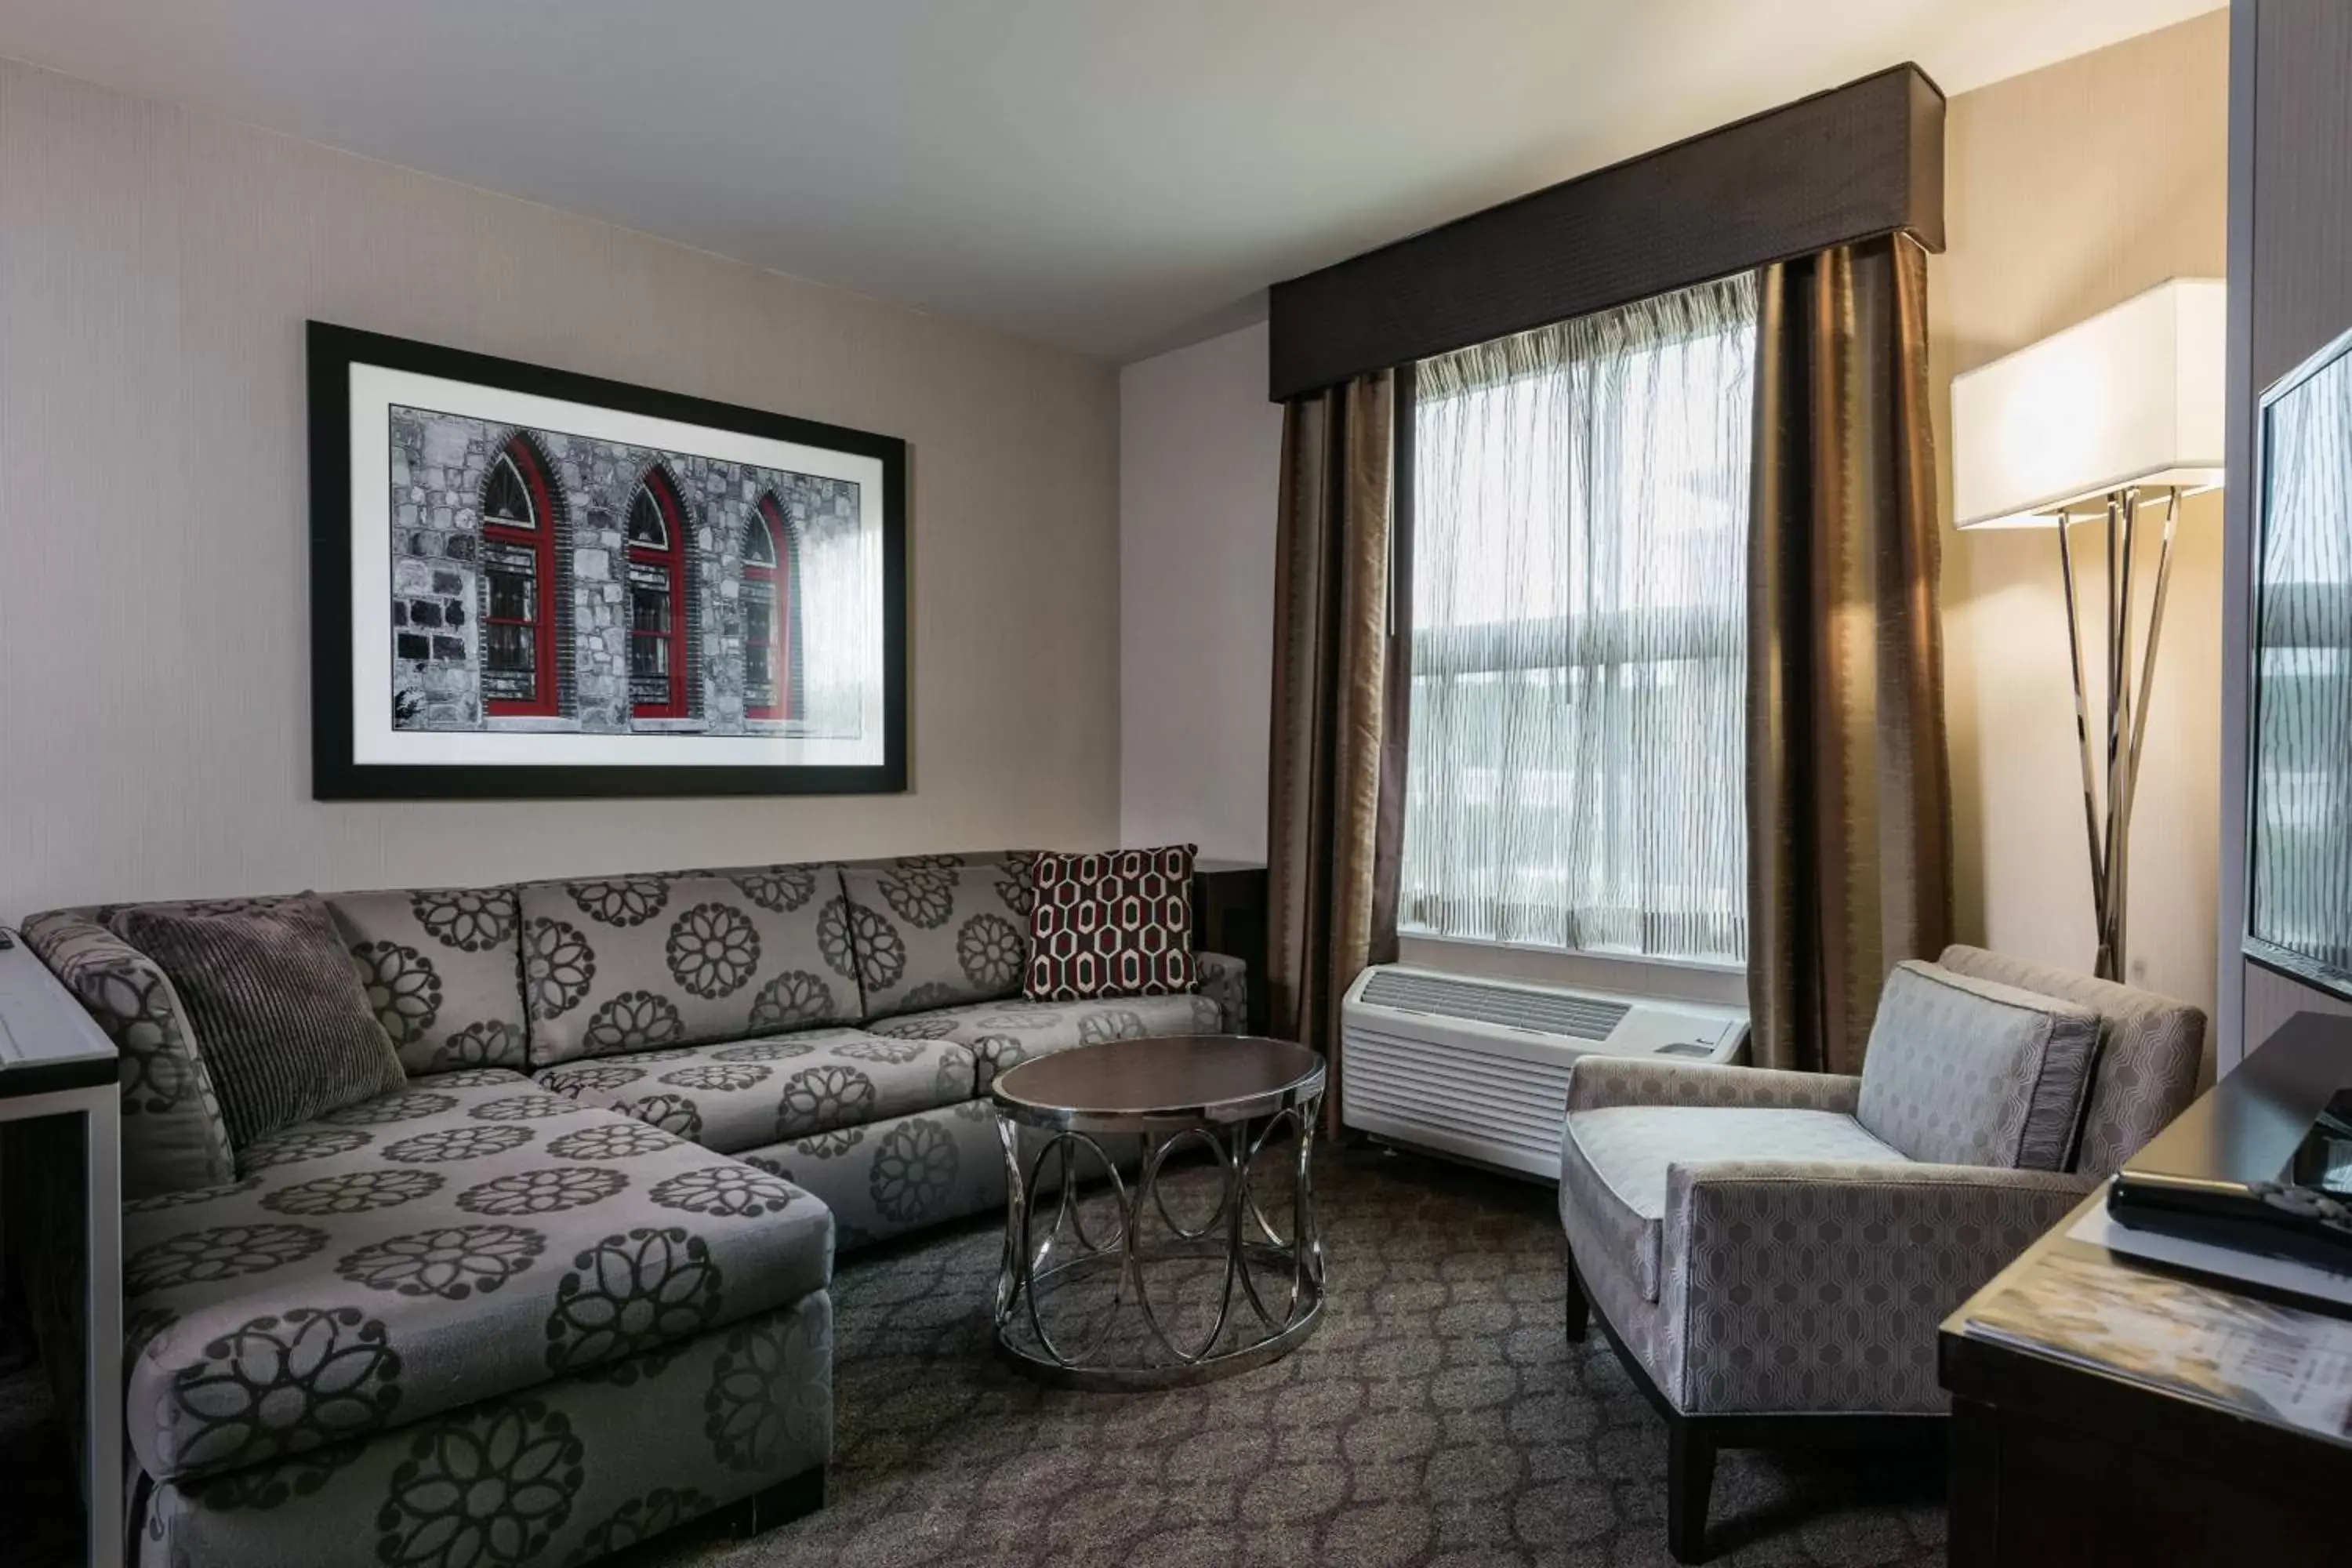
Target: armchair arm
(1224,980)
(1816,1286)
(1599,1081)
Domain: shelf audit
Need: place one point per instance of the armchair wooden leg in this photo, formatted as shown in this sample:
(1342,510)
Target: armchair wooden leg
(1580,1313)
(1690,1475)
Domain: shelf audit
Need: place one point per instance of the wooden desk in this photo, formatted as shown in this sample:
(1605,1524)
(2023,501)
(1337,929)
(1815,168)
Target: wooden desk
(2087,1426)
(55,1062)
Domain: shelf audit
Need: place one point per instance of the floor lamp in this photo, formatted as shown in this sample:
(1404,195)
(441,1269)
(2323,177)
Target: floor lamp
(2105,424)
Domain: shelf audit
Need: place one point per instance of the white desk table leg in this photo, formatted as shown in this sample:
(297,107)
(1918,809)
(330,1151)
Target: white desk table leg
(103,1374)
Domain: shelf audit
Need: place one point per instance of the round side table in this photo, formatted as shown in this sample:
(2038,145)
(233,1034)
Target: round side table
(1229,1097)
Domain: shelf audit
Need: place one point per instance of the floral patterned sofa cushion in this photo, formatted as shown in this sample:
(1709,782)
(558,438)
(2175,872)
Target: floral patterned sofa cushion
(752,1093)
(441,967)
(1003,1033)
(617,964)
(468,1237)
(934,930)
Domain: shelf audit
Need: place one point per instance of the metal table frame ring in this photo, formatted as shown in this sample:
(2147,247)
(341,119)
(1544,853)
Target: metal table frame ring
(1047,1238)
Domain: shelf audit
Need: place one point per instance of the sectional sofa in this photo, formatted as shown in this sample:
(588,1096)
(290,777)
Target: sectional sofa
(568,1287)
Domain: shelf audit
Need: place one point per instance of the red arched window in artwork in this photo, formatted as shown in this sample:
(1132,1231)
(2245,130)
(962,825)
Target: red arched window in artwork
(771,605)
(518,605)
(656,535)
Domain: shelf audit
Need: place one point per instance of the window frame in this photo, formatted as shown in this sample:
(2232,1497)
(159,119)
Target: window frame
(538,538)
(781,572)
(669,559)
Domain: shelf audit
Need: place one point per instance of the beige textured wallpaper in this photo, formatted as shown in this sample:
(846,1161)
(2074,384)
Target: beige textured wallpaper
(2069,190)
(155,270)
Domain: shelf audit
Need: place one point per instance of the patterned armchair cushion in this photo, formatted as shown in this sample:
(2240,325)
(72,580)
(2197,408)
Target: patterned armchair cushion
(617,964)
(173,1138)
(752,1093)
(469,1236)
(1614,1163)
(1965,1071)
(934,930)
(1003,1033)
(2151,1052)
(443,970)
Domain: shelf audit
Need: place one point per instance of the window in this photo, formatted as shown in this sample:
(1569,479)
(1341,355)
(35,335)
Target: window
(656,536)
(518,574)
(1579,702)
(771,613)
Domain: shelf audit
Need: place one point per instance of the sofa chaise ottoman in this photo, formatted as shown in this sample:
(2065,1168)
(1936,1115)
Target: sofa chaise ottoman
(566,1289)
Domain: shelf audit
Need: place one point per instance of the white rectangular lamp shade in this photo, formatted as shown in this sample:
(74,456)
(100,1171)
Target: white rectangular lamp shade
(2132,397)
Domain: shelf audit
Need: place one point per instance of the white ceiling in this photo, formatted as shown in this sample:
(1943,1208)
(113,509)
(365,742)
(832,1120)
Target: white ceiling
(1108,176)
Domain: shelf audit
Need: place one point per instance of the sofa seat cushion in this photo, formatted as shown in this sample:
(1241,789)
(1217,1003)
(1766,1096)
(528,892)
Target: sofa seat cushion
(468,1237)
(1614,1164)
(616,964)
(750,1093)
(1003,1033)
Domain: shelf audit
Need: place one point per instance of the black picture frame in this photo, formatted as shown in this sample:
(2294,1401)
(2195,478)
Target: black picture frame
(2307,968)
(336,775)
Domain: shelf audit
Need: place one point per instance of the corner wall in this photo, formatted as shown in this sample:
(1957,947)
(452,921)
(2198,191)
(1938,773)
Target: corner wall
(1199,464)
(2068,190)
(156,267)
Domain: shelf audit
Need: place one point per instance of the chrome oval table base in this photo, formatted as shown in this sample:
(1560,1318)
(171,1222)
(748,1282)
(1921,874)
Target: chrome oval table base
(1265,1287)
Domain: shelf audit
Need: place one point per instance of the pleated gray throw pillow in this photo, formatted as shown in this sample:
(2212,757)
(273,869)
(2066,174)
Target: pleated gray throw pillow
(277,1007)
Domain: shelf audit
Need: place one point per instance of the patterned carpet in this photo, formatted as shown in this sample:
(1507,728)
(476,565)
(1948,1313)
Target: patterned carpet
(1438,1415)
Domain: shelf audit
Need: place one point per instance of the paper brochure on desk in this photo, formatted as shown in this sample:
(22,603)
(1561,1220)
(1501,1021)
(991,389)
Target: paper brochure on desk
(2199,1340)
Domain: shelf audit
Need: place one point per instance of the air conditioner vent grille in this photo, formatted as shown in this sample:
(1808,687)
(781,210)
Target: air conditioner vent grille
(1548,1013)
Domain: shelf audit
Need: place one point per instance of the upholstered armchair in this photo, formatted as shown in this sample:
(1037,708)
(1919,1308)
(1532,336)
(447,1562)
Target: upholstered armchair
(1770,1253)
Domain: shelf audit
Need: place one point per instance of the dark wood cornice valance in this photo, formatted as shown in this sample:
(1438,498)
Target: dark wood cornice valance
(1856,162)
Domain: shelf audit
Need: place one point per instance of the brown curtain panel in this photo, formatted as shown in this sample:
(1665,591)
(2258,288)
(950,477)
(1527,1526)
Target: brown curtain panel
(1850,844)
(1336,790)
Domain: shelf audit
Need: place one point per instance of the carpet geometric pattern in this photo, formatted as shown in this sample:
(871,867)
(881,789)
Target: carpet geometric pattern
(1436,1416)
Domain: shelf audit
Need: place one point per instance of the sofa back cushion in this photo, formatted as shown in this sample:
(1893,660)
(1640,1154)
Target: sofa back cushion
(938,931)
(1965,1071)
(616,964)
(443,971)
(287,1031)
(2151,1052)
(173,1137)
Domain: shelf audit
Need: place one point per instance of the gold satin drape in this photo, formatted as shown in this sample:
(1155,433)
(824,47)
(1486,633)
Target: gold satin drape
(1334,811)
(1849,798)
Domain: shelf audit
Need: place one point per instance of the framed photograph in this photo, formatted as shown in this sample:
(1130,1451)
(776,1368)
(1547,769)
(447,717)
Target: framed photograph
(528,582)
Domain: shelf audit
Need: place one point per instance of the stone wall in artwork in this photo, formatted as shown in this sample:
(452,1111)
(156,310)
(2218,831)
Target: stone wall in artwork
(440,463)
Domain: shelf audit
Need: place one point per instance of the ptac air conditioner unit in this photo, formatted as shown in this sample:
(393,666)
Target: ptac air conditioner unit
(1478,1068)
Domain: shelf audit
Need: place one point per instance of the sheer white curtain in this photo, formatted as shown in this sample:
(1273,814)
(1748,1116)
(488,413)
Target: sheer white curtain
(1579,582)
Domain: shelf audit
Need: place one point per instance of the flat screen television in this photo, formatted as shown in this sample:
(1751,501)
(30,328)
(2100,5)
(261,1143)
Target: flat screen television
(2299,742)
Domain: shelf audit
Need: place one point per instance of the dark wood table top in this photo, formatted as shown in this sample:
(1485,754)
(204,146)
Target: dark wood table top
(1196,1079)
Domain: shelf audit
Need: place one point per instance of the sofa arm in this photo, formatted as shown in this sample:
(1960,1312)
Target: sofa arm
(173,1138)
(1819,1285)
(1597,1082)
(1224,980)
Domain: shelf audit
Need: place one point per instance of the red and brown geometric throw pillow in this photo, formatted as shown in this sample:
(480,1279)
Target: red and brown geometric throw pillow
(1119,924)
